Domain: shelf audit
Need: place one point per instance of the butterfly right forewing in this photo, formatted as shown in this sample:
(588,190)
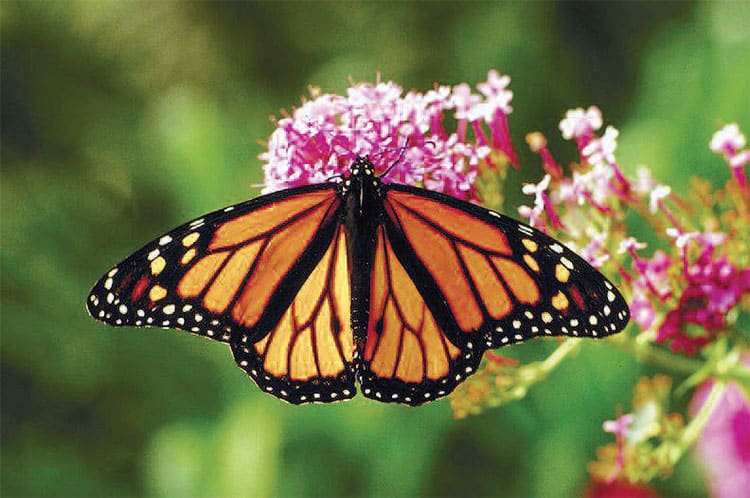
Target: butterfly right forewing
(499,280)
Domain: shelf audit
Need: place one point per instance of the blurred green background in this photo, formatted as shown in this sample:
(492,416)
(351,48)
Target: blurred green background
(121,120)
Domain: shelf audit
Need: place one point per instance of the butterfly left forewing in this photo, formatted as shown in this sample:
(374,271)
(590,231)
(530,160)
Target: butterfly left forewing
(230,272)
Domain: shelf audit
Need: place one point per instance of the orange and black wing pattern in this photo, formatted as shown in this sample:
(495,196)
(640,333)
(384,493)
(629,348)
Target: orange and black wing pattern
(407,357)
(227,274)
(308,355)
(280,277)
(490,280)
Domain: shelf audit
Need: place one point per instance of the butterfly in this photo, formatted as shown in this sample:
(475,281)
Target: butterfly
(389,286)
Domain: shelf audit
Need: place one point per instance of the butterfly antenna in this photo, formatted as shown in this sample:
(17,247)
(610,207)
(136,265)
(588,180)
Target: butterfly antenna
(338,175)
(402,151)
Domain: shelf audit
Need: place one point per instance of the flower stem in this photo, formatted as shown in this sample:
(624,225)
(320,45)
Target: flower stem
(677,363)
(696,425)
(558,355)
(657,356)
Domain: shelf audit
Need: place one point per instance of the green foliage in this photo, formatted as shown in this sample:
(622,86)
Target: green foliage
(123,119)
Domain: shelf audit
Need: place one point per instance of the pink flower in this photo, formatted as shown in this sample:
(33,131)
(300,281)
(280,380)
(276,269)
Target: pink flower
(537,189)
(618,427)
(630,245)
(707,239)
(542,203)
(496,91)
(658,194)
(463,101)
(534,215)
(642,311)
(580,124)
(324,135)
(724,443)
(728,140)
(653,274)
(601,151)
(595,251)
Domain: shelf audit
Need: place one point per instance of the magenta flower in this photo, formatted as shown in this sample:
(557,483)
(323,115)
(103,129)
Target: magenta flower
(724,443)
(714,287)
(323,136)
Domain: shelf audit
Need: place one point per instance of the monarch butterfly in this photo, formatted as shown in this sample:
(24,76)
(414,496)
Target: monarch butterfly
(399,288)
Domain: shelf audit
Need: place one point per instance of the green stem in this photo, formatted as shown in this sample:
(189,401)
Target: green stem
(658,356)
(683,364)
(696,425)
(559,354)
(533,373)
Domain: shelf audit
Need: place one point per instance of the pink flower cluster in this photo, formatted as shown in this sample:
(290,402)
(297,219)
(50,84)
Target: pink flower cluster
(323,136)
(596,185)
(714,287)
(652,282)
(583,205)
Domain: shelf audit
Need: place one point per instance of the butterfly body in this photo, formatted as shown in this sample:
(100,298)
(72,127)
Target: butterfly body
(361,196)
(394,287)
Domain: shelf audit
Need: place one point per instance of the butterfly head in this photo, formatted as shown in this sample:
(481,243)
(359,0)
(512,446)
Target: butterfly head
(362,178)
(362,167)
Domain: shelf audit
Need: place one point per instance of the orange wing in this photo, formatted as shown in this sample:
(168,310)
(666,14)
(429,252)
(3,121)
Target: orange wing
(407,357)
(228,275)
(308,354)
(490,280)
